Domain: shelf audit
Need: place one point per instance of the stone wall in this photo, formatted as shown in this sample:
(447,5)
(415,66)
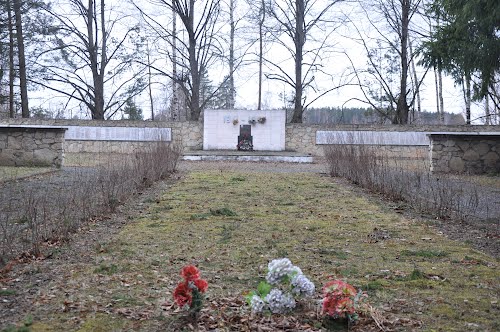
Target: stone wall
(298,137)
(302,137)
(188,135)
(31,146)
(469,154)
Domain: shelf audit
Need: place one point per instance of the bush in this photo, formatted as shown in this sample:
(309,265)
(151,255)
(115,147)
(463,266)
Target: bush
(364,166)
(51,209)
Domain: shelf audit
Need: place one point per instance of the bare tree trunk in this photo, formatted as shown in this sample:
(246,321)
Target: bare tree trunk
(231,55)
(438,75)
(415,78)
(299,45)
(441,100)
(402,106)
(438,80)
(22,60)
(467,98)
(12,73)
(175,98)
(496,109)
(97,111)
(437,94)
(193,66)
(149,84)
(487,109)
(261,49)
(104,38)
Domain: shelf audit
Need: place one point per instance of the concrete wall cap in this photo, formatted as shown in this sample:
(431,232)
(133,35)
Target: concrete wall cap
(466,133)
(20,126)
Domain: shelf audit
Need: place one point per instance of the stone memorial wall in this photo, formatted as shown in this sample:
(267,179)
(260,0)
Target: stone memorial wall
(95,136)
(398,141)
(474,153)
(222,128)
(407,142)
(25,145)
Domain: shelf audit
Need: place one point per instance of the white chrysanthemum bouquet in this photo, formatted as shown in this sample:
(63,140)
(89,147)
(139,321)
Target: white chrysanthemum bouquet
(285,284)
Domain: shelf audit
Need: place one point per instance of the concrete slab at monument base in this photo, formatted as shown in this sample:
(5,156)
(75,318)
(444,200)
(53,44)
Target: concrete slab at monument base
(255,156)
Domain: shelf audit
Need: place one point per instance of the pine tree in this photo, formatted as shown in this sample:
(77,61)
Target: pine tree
(467,44)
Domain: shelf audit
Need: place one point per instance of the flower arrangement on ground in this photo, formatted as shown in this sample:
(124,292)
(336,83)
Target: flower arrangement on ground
(285,284)
(340,301)
(188,293)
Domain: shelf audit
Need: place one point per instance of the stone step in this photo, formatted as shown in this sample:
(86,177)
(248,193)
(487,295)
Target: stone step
(248,156)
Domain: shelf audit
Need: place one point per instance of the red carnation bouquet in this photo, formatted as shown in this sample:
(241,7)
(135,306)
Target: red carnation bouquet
(188,293)
(340,300)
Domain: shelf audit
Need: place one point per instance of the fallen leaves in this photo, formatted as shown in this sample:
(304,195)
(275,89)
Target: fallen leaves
(136,313)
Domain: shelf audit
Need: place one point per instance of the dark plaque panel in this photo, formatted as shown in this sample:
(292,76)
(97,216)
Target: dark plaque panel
(245,139)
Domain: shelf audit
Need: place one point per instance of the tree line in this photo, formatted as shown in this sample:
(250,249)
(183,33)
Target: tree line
(101,54)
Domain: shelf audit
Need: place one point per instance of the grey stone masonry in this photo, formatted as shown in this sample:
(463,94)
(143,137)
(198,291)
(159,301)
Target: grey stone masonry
(27,145)
(301,137)
(187,135)
(469,153)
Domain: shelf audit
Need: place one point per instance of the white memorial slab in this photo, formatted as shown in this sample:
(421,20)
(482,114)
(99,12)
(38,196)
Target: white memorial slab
(372,137)
(222,127)
(118,134)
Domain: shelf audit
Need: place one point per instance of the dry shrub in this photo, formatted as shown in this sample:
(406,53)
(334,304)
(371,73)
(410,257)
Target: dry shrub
(363,165)
(51,209)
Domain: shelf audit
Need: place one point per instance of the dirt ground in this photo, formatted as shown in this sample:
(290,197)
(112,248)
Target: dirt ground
(27,283)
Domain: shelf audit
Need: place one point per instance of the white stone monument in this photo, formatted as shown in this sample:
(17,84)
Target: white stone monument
(221,129)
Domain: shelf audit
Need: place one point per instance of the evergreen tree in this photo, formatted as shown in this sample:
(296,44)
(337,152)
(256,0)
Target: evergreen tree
(132,111)
(224,98)
(207,91)
(467,43)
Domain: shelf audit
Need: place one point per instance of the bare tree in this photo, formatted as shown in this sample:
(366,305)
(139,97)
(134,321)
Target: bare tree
(22,59)
(12,75)
(262,19)
(175,88)
(23,29)
(438,72)
(415,82)
(295,22)
(391,20)
(232,28)
(92,59)
(194,54)
(257,16)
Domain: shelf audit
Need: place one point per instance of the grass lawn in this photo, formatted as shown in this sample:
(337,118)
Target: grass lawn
(8,173)
(492,180)
(415,278)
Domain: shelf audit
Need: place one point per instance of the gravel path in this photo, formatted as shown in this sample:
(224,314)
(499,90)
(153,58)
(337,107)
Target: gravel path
(254,167)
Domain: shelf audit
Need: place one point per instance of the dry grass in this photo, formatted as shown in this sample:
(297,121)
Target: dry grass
(9,173)
(94,159)
(492,181)
(412,274)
